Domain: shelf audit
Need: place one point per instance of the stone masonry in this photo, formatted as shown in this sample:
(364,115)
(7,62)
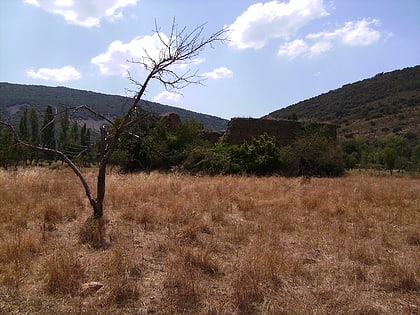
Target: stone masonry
(284,131)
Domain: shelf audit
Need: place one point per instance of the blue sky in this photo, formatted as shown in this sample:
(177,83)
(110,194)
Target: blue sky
(279,53)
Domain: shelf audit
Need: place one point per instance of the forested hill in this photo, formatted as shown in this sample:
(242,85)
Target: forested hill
(13,97)
(387,103)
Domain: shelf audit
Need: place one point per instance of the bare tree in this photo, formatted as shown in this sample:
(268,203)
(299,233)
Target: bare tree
(178,49)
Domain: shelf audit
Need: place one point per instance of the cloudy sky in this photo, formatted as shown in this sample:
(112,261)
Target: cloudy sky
(279,52)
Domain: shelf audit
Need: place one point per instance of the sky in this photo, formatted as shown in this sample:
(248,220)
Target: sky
(278,52)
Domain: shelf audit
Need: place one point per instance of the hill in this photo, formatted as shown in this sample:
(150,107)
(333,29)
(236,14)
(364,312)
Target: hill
(13,97)
(374,107)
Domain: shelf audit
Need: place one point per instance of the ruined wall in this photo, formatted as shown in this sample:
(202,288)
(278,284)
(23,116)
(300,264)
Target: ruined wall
(284,131)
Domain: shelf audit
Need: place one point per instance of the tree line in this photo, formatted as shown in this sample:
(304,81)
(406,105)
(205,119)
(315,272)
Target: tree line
(157,146)
(392,152)
(49,130)
(312,153)
(153,144)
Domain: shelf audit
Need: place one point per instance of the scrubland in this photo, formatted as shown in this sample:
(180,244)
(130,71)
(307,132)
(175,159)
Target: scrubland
(177,244)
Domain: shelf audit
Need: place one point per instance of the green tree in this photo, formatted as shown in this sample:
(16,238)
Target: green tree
(390,156)
(396,152)
(214,159)
(355,152)
(260,156)
(23,153)
(415,157)
(84,156)
(35,136)
(63,135)
(134,150)
(7,150)
(83,137)
(23,125)
(74,134)
(316,153)
(48,129)
(34,123)
(181,140)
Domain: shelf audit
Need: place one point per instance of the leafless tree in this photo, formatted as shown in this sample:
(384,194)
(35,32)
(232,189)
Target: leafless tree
(178,49)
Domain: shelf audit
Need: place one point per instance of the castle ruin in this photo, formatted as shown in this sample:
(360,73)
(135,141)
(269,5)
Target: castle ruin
(285,132)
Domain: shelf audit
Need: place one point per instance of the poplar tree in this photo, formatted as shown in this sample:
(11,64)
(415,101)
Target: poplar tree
(63,136)
(23,124)
(48,129)
(34,123)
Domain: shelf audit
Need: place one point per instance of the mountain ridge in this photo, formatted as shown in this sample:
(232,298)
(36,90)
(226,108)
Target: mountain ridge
(15,96)
(374,107)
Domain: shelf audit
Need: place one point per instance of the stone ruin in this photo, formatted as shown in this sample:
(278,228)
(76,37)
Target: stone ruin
(284,131)
(171,120)
(241,130)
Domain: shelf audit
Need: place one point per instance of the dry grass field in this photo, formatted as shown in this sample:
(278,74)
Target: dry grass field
(210,245)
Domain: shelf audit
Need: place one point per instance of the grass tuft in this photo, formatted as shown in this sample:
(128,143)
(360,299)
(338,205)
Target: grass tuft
(64,272)
(93,233)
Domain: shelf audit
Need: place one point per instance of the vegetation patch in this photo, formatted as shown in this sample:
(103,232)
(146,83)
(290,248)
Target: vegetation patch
(210,245)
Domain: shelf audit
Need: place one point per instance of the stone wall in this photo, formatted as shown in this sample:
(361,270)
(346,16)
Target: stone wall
(284,131)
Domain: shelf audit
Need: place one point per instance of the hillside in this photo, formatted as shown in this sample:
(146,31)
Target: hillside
(13,97)
(387,103)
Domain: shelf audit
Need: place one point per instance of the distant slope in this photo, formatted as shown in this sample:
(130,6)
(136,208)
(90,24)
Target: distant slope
(386,103)
(13,97)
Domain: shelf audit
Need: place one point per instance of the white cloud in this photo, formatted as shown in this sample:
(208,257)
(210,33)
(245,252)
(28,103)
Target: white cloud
(319,48)
(63,74)
(353,33)
(293,49)
(262,22)
(189,63)
(168,97)
(86,13)
(114,60)
(33,2)
(219,73)
(117,59)
(360,33)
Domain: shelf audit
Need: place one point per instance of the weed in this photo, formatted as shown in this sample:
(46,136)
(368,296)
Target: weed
(63,272)
(397,276)
(181,288)
(201,260)
(413,238)
(93,233)
(364,253)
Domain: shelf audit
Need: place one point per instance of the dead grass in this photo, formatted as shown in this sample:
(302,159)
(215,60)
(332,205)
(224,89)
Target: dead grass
(92,233)
(210,245)
(63,272)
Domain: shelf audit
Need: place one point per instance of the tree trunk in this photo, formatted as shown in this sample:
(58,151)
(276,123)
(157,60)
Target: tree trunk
(98,210)
(99,204)
(98,207)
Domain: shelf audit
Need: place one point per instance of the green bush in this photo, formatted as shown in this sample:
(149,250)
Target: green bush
(316,153)
(213,160)
(260,156)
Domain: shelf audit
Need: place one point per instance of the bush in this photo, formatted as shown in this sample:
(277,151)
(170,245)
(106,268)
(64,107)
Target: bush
(316,153)
(212,160)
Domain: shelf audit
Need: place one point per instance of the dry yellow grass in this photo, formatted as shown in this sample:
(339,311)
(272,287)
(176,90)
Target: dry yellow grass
(210,245)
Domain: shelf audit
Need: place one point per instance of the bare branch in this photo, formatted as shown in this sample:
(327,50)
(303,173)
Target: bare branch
(92,111)
(178,48)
